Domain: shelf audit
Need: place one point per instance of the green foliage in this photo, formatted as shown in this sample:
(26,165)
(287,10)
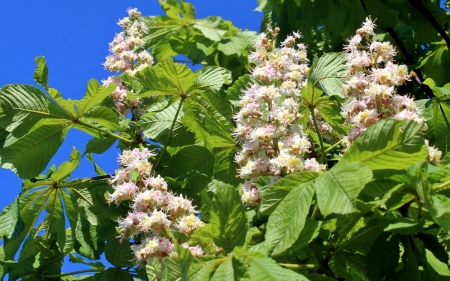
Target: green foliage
(379,211)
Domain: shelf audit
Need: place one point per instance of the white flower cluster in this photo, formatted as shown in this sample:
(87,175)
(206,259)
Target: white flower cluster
(273,141)
(370,86)
(125,58)
(155,212)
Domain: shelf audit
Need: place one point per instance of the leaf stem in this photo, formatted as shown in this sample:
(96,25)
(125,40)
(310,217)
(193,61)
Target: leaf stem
(71,273)
(102,130)
(170,133)
(311,108)
(333,146)
(75,183)
(299,266)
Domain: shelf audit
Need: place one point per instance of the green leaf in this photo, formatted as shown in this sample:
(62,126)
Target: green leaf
(288,219)
(402,145)
(338,188)
(10,222)
(54,222)
(67,105)
(435,63)
(383,256)
(438,266)
(104,116)
(30,206)
(260,269)
(176,268)
(66,168)
(118,253)
(95,265)
(224,272)
(275,193)
(191,158)
(115,274)
(432,244)
(437,113)
(232,45)
(157,127)
(95,94)
(99,146)
(210,28)
(40,145)
(201,272)
(23,106)
(242,83)
(211,78)
(41,72)
(385,14)
(228,219)
(439,209)
(328,73)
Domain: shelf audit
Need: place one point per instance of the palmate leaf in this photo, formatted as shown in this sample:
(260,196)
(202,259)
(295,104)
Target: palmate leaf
(66,168)
(327,74)
(206,122)
(288,219)
(54,222)
(435,63)
(104,116)
(157,127)
(210,27)
(211,78)
(95,94)
(273,195)
(30,206)
(118,253)
(437,113)
(401,146)
(10,222)
(228,219)
(383,256)
(39,145)
(338,188)
(22,106)
(265,269)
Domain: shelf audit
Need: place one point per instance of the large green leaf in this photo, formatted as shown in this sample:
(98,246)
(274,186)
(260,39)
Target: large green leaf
(435,63)
(66,168)
(115,274)
(103,116)
(288,219)
(437,113)
(118,253)
(275,193)
(224,272)
(211,78)
(327,74)
(210,28)
(383,256)
(401,146)
(266,269)
(40,145)
(22,106)
(338,188)
(54,222)
(10,222)
(95,94)
(228,219)
(157,127)
(30,206)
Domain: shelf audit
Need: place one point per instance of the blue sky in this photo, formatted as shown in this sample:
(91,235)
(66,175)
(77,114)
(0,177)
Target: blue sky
(74,37)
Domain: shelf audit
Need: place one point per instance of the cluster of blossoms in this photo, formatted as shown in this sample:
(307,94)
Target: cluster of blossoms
(372,77)
(125,58)
(155,211)
(268,127)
